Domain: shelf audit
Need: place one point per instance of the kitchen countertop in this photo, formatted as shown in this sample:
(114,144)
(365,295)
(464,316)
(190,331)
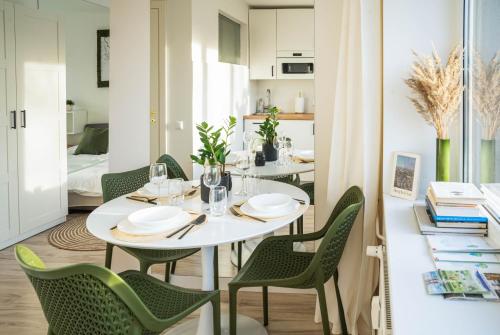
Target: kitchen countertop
(282,116)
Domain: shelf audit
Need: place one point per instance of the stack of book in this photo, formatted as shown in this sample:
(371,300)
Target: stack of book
(492,194)
(452,208)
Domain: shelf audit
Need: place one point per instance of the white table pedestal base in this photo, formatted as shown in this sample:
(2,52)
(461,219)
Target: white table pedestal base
(246,326)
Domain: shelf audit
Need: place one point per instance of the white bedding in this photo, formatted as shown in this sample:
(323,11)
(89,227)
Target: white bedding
(85,172)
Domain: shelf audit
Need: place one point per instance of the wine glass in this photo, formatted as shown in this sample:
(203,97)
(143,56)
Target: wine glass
(277,146)
(248,139)
(243,164)
(212,175)
(157,175)
(288,150)
(218,200)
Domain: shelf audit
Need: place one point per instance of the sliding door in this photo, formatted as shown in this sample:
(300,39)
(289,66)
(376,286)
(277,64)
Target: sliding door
(9,224)
(40,101)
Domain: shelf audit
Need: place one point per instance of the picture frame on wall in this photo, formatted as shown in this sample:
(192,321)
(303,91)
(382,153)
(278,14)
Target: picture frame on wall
(103,58)
(405,175)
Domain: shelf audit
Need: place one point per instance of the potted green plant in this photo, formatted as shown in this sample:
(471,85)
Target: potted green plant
(267,132)
(214,150)
(69,105)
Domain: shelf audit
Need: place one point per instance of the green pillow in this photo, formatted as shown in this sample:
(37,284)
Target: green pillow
(94,142)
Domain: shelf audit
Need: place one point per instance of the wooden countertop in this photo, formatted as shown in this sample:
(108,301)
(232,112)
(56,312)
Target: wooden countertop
(282,116)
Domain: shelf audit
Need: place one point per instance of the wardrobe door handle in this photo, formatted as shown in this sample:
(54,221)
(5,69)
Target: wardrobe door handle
(272,70)
(23,118)
(13,120)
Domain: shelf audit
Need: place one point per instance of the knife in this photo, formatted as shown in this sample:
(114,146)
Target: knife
(199,220)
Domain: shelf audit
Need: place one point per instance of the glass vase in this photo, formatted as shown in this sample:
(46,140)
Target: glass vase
(487,161)
(442,159)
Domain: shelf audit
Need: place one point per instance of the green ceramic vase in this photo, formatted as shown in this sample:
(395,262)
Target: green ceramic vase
(442,159)
(487,161)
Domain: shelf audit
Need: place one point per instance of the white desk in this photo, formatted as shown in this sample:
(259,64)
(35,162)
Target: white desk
(413,310)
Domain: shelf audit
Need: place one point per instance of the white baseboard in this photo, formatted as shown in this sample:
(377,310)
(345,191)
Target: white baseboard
(30,233)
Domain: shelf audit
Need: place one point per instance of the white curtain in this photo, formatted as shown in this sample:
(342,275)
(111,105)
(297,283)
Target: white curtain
(354,155)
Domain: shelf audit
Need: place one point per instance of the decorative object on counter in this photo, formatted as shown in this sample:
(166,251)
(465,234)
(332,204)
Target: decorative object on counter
(405,175)
(437,92)
(486,102)
(69,105)
(267,101)
(267,131)
(214,151)
(260,106)
(299,103)
(260,159)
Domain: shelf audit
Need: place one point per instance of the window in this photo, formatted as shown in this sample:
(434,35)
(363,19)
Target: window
(229,40)
(482,91)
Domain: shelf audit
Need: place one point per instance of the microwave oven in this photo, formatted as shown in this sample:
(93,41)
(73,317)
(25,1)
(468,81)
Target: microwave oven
(295,68)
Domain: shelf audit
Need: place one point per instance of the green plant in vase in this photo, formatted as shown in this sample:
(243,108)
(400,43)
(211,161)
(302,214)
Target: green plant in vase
(486,103)
(437,90)
(267,132)
(214,151)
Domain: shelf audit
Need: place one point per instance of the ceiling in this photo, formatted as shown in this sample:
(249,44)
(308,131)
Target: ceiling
(280,3)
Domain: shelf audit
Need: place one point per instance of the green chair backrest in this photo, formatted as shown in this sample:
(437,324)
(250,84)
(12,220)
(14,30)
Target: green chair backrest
(332,246)
(174,170)
(115,185)
(83,298)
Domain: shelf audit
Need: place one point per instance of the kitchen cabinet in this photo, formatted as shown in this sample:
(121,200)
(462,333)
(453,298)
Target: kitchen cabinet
(295,30)
(33,195)
(301,132)
(262,31)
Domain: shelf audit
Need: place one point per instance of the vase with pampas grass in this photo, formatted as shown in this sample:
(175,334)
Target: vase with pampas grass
(437,91)
(486,103)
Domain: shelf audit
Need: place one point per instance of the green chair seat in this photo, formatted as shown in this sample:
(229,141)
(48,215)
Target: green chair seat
(87,299)
(274,263)
(115,185)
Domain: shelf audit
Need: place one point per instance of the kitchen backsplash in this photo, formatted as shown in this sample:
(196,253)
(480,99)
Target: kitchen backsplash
(283,93)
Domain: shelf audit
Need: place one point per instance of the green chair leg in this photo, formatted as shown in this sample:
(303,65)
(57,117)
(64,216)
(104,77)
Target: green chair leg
(167,272)
(265,304)
(109,255)
(324,311)
(233,309)
(216,314)
(240,244)
(300,225)
(172,271)
(290,227)
(143,267)
(343,324)
(216,268)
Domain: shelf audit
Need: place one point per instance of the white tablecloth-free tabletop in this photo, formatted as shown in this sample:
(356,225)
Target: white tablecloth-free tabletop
(218,230)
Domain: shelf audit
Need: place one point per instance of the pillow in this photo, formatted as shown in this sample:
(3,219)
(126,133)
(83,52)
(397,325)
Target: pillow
(94,142)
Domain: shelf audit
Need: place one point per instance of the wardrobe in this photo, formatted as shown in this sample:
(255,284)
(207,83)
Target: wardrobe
(33,194)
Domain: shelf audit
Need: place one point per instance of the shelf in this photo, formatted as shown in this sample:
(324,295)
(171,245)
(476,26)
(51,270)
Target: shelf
(282,116)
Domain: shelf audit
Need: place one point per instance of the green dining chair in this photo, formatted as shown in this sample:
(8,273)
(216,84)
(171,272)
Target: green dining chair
(275,263)
(115,185)
(86,299)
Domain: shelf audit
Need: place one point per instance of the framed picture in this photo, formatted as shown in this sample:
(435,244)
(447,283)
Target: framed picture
(405,175)
(103,58)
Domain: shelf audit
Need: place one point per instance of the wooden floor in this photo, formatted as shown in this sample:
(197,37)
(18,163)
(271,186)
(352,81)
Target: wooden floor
(20,312)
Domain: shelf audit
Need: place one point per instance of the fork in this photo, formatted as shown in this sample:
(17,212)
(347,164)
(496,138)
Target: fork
(238,214)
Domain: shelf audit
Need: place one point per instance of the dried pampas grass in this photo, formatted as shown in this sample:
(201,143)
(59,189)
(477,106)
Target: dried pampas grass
(486,94)
(437,89)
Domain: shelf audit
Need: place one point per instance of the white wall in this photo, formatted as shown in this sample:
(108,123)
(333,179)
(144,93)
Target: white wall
(414,25)
(199,88)
(129,93)
(283,94)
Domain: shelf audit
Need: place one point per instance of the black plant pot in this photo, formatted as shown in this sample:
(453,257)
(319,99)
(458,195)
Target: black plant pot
(224,181)
(270,152)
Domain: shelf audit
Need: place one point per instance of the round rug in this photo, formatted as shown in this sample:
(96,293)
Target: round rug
(73,235)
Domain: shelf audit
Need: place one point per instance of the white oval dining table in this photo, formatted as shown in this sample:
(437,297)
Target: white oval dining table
(216,231)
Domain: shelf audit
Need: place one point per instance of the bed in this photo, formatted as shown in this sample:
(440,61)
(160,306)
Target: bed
(84,177)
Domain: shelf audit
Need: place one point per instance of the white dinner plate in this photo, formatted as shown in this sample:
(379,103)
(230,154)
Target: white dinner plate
(129,228)
(152,189)
(153,216)
(291,208)
(270,202)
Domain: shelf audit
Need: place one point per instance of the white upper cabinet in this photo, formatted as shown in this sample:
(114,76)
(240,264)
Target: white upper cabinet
(295,30)
(262,30)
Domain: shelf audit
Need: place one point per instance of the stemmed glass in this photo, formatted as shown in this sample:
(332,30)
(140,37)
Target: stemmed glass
(243,164)
(247,140)
(212,175)
(157,175)
(288,145)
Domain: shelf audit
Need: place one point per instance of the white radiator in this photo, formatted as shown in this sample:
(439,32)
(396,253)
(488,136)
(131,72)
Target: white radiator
(381,304)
